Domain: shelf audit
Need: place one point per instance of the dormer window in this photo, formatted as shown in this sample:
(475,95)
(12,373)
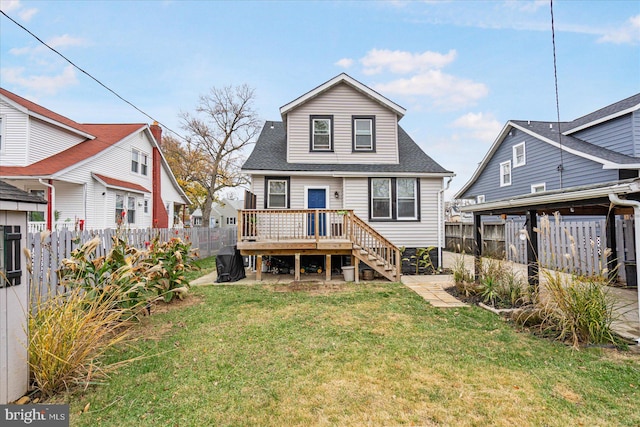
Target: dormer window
(321,133)
(363,133)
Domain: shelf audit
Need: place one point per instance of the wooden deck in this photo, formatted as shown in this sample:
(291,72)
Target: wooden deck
(315,232)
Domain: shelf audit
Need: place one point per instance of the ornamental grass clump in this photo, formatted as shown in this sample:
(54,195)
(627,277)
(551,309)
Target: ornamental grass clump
(69,334)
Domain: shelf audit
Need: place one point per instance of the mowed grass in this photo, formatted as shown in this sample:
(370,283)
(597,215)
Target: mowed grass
(368,354)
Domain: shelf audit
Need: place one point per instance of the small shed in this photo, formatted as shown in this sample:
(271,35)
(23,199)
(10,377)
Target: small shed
(15,206)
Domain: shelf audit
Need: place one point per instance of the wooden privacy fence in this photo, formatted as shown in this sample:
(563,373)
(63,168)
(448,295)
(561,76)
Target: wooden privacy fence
(48,250)
(572,246)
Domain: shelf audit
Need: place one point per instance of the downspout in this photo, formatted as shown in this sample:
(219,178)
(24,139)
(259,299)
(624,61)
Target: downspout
(51,206)
(440,220)
(636,220)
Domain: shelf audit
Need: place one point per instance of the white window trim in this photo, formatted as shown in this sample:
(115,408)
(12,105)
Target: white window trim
(542,184)
(286,193)
(141,155)
(146,206)
(515,157)
(503,183)
(480,199)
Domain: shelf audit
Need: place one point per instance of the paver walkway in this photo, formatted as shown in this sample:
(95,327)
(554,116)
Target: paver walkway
(431,288)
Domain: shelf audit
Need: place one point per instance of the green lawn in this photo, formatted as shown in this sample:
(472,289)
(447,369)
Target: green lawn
(369,354)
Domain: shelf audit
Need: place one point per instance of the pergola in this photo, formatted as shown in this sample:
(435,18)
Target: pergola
(603,199)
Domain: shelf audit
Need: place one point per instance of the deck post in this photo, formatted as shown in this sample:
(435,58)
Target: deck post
(296,273)
(259,267)
(357,270)
(327,266)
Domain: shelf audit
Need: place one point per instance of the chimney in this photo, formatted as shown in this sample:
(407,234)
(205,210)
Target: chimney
(160,214)
(156,131)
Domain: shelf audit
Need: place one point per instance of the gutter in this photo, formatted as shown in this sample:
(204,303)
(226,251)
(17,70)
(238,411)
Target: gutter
(440,220)
(636,217)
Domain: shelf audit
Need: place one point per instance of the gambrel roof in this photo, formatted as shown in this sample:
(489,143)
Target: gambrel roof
(270,155)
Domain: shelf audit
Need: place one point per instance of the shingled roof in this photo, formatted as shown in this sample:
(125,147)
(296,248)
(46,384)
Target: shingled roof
(9,193)
(270,154)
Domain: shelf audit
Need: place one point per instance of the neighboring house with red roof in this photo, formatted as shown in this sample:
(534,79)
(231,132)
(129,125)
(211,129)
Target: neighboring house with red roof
(92,175)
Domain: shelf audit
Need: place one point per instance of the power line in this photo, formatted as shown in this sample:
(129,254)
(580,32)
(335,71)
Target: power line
(555,77)
(91,77)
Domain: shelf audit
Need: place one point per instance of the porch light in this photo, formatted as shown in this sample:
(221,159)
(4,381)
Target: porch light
(336,195)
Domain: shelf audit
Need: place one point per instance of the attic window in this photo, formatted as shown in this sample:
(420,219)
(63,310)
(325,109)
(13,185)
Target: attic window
(139,162)
(363,133)
(519,155)
(321,133)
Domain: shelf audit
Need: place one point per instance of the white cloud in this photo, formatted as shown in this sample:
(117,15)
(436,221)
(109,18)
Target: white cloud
(344,63)
(482,126)
(9,5)
(402,62)
(49,85)
(57,42)
(526,6)
(15,6)
(627,33)
(445,90)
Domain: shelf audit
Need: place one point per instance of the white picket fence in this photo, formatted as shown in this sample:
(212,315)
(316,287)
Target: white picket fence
(49,249)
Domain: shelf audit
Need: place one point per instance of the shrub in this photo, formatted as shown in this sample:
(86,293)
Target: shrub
(168,262)
(119,275)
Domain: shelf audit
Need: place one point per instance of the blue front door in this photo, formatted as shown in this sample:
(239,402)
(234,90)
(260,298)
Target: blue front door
(317,199)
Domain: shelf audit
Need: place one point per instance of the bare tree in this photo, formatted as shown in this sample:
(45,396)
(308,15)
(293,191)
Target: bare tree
(224,123)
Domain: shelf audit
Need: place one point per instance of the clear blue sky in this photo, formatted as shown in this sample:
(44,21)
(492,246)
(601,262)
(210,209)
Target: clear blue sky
(460,68)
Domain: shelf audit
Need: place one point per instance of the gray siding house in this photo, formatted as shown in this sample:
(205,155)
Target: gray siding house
(530,157)
(340,147)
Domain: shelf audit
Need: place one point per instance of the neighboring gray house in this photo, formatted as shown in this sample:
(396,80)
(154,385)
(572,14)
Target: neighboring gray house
(15,206)
(599,149)
(340,147)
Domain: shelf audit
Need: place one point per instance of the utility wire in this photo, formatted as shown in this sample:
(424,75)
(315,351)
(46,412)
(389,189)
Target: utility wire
(555,76)
(91,77)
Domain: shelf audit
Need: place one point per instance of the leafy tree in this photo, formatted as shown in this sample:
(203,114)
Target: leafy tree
(186,164)
(224,123)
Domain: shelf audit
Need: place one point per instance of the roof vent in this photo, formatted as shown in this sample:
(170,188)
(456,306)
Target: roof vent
(271,125)
(550,125)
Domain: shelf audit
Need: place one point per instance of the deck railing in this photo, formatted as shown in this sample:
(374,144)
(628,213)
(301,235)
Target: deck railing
(271,225)
(293,224)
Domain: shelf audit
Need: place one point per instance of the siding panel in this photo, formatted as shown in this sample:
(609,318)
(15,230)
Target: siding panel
(342,102)
(47,140)
(15,133)
(541,166)
(616,135)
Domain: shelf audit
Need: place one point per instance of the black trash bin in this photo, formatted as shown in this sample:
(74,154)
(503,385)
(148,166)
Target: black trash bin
(230,265)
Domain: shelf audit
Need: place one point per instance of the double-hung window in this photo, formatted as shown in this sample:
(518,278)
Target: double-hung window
(277,196)
(381,198)
(321,133)
(505,173)
(519,155)
(135,161)
(394,199)
(119,208)
(131,210)
(407,201)
(363,133)
(139,162)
